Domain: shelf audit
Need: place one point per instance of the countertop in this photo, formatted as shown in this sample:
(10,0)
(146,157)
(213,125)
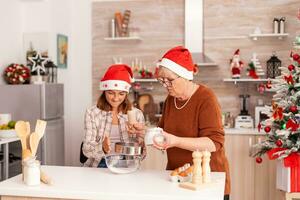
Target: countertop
(243,131)
(99,183)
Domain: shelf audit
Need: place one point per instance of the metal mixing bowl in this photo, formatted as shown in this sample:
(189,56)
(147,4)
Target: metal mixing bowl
(128,148)
(123,164)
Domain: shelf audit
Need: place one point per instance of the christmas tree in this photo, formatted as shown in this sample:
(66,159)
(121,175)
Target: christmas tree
(282,126)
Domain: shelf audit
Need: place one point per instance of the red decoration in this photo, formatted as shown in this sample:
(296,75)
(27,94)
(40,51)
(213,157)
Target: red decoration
(259,127)
(292,124)
(261,88)
(16,74)
(272,153)
(277,112)
(267,129)
(269,84)
(291,67)
(236,65)
(292,161)
(294,109)
(258,160)
(296,57)
(278,143)
(289,79)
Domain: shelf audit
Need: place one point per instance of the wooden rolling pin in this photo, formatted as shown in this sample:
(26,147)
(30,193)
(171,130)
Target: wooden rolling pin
(45,178)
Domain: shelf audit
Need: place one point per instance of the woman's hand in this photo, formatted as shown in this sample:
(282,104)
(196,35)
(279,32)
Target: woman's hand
(168,142)
(106,145)
(137,128)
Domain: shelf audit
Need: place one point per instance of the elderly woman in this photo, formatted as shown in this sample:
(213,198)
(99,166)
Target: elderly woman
(107,122)
(191,118)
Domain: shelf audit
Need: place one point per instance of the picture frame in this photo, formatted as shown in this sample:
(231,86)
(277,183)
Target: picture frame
(62,51)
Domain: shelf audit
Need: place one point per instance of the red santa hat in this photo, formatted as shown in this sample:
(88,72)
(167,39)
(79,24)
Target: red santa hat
(117,77)
(179,61)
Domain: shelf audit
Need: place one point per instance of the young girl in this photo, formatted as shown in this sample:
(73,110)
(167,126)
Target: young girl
(107,122)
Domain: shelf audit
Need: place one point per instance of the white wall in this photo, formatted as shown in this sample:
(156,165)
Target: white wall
(10,36)
(69,17)
(78,88)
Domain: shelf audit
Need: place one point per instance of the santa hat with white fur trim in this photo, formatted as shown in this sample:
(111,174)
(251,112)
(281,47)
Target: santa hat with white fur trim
(117,77)
(179,61)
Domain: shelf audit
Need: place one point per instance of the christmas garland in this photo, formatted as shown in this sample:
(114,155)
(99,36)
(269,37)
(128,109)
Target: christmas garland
(16,74)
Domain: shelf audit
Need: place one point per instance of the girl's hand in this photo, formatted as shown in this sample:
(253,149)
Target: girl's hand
(137,128)
(106,145)
(168,142)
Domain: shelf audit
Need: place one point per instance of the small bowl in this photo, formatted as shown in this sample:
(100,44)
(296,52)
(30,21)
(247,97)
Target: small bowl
(128,148)
(10,133)
(123,164)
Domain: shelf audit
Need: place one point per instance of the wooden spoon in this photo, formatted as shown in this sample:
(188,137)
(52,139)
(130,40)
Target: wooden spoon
(21,129)
(40,128)
(34,140)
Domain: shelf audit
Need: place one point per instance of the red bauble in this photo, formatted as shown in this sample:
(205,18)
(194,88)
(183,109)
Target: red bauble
(278,143)
(296,57)
(293,109)
(291,67)
(269,85)
(258,160)
(267,129)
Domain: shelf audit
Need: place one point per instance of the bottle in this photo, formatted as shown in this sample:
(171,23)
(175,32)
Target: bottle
(282,24)
(113,28)
(275,25)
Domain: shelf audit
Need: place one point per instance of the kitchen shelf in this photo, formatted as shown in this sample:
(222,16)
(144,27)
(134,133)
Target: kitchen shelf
(145,80)
(123,38)
(245,80)
(278,35)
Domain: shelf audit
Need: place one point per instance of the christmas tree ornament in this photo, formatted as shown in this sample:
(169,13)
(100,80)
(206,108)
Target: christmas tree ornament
(258,160)
(279,143)
(289,79)
(267,129)
(291,67)
(292,125)
(294,109)
(269,84)
(296,57)
(273,67)
(236,65)
(277,112)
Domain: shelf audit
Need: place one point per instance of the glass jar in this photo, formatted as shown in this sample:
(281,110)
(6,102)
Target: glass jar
(31,172)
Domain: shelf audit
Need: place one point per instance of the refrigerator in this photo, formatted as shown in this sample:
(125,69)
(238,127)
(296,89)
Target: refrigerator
(39,101)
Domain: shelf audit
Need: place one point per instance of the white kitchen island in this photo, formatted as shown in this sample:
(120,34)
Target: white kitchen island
(96,183)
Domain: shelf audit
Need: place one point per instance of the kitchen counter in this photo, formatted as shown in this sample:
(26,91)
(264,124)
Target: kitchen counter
(96,183)
(243,131)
